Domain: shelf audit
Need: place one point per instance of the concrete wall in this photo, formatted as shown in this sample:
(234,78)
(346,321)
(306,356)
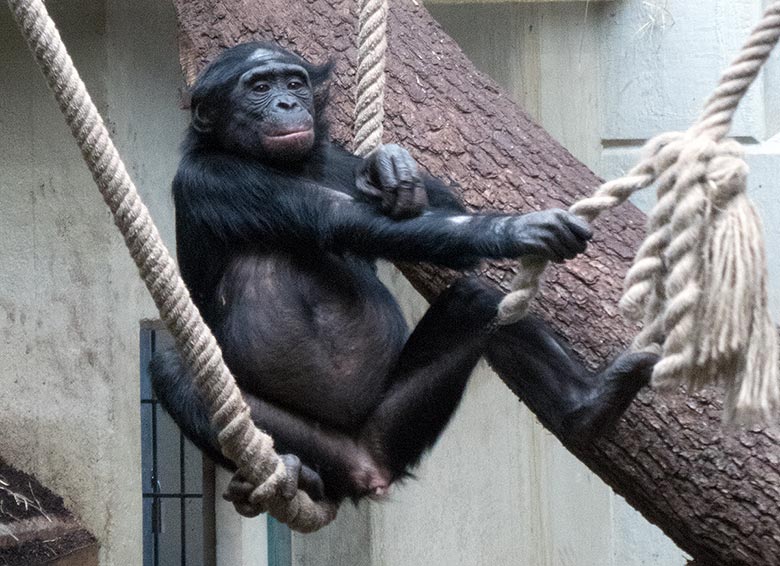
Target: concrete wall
(70,299)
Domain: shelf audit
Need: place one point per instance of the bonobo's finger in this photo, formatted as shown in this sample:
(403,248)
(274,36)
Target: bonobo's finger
(389,198)
(289,484)
(411,200)
(556,251)
(311,482)
(404,193)
(575,245)
(384,167)
(366,187)
(562,240)
(579,226)
(404,199)
(366,182)
(404,165)
(572,232)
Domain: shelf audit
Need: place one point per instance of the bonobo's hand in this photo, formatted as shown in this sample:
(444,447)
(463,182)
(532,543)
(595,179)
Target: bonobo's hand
(553,234)
(389,174)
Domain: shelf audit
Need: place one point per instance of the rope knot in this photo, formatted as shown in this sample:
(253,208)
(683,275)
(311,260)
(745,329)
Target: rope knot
(661,152)
(727,175)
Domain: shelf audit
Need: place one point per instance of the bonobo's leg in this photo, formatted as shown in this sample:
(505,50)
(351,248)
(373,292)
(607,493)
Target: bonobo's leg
(428,382)
(176,391)
(573,403)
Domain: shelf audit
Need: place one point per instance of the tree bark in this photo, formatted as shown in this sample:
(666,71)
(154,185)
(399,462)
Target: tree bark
(714,492)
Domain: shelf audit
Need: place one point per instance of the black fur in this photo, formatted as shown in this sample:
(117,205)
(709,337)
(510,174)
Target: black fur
(278,247)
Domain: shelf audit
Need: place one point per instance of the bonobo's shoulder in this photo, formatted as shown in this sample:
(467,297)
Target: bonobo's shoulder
(203,167)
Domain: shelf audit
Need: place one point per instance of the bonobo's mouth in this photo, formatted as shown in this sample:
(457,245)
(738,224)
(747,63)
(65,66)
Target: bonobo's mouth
(292,135)
(289,143)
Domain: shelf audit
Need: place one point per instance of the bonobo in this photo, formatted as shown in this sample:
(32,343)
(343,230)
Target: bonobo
(278,230)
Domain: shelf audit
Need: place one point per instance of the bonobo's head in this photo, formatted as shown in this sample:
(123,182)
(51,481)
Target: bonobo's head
(261,100)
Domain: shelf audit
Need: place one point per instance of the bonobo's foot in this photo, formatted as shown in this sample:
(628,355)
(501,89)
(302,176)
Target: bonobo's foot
(297,477)
(568,400)
(611,394)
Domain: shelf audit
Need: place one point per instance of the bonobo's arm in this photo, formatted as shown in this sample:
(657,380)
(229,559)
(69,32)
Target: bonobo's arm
(239,202)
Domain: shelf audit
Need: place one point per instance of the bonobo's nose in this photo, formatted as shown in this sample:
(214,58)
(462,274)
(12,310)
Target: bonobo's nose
(287,104)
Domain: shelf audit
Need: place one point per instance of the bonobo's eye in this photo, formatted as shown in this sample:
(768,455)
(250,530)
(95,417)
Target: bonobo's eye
(295,84)
(261,87)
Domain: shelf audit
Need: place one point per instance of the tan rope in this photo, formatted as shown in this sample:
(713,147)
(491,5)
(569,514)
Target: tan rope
(372,46)
(699,279)
(251,449)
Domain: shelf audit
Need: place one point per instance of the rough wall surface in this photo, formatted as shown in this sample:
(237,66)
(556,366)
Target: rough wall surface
(70,297)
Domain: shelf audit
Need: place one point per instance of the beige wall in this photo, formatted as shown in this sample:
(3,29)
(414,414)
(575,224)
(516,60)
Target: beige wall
(70,299)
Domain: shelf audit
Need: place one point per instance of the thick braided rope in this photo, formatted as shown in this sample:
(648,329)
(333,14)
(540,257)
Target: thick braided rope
(251,449)
(674,222)
(369,106)
(681,285)
(714,122)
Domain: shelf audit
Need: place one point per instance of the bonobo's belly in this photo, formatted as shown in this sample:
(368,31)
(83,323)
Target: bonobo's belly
(317,335)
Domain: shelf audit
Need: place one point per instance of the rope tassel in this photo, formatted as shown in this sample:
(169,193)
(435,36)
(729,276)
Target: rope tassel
(737,344)
(706,310)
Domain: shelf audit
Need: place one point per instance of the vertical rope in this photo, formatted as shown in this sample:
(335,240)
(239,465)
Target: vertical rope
(250,449)
(372,46)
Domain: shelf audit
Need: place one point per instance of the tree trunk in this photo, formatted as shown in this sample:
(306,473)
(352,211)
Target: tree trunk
(714,492)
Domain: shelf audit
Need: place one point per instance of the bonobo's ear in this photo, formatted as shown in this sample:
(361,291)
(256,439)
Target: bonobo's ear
(201,120)
(320,74)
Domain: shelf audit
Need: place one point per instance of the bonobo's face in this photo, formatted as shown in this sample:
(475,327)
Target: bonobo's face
(272,109)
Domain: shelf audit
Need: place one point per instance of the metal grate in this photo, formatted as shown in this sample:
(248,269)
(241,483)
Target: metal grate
(178,519)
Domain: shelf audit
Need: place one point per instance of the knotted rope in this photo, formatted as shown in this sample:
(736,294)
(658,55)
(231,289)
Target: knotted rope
(699,279)
(249,448)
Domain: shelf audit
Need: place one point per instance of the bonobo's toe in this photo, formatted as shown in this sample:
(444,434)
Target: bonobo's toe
(300,476)
(615,388)
(292,465)
(311,482)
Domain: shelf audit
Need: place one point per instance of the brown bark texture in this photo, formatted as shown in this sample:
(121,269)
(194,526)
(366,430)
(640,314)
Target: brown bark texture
(715,492)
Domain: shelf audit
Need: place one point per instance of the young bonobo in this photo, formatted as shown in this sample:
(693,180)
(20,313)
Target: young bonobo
(278,230)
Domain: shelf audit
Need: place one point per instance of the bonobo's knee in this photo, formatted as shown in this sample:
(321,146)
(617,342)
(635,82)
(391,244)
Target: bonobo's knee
(469,299)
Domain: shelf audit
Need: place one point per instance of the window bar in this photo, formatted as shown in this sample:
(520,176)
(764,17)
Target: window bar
(182,499)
